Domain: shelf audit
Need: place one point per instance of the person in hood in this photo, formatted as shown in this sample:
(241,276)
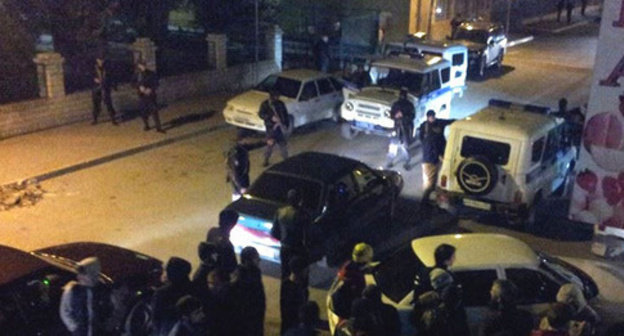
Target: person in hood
(176,284)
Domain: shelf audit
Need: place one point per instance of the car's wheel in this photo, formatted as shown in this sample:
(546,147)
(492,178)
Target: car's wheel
(347,132)
(477,176)
(499,60)
(482,66)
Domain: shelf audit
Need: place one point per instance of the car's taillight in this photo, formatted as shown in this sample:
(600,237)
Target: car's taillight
(518,196)
(443,181)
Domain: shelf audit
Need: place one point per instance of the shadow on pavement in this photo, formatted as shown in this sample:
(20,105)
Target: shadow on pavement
(187,119)
(492,72)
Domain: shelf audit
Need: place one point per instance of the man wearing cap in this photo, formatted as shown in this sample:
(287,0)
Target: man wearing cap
(102,85)
(147,83)
(351,274)
(85,303)
(433,143)
(402,112)
(275,115)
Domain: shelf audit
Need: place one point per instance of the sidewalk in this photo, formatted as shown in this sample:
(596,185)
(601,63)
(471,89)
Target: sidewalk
(548,23)
(57,151)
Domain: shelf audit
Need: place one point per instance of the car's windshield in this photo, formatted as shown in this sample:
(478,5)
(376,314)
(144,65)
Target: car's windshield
(477,36)
(495,151)
(287,87)
(274,187)
(397,78)
(398,274)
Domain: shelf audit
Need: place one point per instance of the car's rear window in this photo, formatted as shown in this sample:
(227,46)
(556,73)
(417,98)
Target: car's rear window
(398,274)
(287,87)
(274,187)
(495,151)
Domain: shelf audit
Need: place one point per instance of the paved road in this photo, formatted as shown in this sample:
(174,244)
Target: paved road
(163,201)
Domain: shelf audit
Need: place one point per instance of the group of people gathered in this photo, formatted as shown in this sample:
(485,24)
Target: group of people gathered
(222,297)
(438,307)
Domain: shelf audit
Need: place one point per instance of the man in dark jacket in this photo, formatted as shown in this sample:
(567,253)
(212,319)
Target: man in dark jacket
(290,227)
(102,85)
(433,143)
(275,115)
(237,167)
(85,303)
(177,285)
(191,320)
(220,305)
(321,54)
(402,112)
(308,321)
(208,260)
(250,293)
(385,317)
(220,237)
(147,83)
(504,316)
(293,293)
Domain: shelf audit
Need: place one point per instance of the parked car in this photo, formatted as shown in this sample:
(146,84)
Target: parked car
(486,43)
(345,198)
(31,284)
(506,158)
(427,80)
(309,96)
(481,258)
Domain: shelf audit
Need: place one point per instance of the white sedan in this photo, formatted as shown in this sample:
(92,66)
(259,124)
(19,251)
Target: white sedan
(309,96)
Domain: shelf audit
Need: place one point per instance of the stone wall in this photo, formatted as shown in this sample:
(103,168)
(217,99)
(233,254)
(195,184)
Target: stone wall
(33,115)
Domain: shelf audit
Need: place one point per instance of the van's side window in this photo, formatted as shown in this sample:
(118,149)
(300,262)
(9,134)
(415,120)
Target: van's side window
(435,80)
(553,143)
(538,147)
(458,59)
(446,75)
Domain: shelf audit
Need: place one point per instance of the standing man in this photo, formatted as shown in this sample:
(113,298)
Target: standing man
(402,112)
(102,85)
(237,164)
(176,284)
(293,293)
(455,22)
(85,304)
(249,292)
(290,228)
(560,5)
(321,53)
(147,83)
(433,143)
(569,8)
(220,237)
(273,112)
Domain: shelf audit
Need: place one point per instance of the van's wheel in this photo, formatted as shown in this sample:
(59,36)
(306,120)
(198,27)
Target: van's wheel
(347,132)
(482,66)
(499,60)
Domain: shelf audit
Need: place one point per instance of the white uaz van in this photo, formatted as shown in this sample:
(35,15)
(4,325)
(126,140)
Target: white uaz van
(505,159)
(455,53)
(427,79)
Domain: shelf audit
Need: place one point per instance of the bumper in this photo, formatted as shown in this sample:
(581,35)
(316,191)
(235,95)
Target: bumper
(241,121)
(457,201)
(267,246)
(370,128)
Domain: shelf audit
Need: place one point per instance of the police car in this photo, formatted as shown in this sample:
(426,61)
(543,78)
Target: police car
(427,79)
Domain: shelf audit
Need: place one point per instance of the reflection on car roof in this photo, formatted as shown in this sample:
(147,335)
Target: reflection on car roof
(16,264)
(476,250)
(506,122)
(426,63)
(318,166)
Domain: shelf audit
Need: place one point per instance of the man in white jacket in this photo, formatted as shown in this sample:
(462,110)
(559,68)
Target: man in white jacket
(85,304)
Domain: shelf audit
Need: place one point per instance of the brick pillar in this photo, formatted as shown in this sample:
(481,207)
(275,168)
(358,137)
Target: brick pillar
(217,51)
(50,74)
(274,45)
(144,49)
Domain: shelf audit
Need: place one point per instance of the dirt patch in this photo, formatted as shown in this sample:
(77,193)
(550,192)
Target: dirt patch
(20,194)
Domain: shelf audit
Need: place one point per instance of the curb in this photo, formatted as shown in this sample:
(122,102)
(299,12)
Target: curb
(119,155)
(560,29)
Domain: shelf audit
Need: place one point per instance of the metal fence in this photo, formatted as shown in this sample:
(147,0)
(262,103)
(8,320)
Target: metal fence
(181,54)
(299,53)
(18,87)
(241,47)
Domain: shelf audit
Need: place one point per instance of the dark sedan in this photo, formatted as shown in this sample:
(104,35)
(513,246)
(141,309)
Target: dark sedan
(31,284)
(345,197)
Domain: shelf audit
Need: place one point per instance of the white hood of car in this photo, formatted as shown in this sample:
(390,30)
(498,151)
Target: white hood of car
(251,100)
(377,95)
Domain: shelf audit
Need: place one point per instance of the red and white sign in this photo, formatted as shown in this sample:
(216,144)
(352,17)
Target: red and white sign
(598,196)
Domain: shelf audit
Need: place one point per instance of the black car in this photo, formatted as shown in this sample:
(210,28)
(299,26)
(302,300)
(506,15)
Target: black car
(486,43)
(345,197)
(31,285)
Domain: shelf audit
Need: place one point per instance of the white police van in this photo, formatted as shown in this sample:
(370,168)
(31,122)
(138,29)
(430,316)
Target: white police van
(427,79)
(455,53)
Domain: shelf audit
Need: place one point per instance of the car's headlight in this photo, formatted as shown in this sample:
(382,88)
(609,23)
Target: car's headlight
(387,113)
(349,106)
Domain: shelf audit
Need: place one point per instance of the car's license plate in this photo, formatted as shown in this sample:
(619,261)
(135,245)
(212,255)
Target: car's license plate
(477,204)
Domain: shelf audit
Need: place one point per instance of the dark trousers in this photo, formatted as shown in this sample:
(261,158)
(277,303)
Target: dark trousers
(149,107)
(277,138)
(97,95)
(286,254)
